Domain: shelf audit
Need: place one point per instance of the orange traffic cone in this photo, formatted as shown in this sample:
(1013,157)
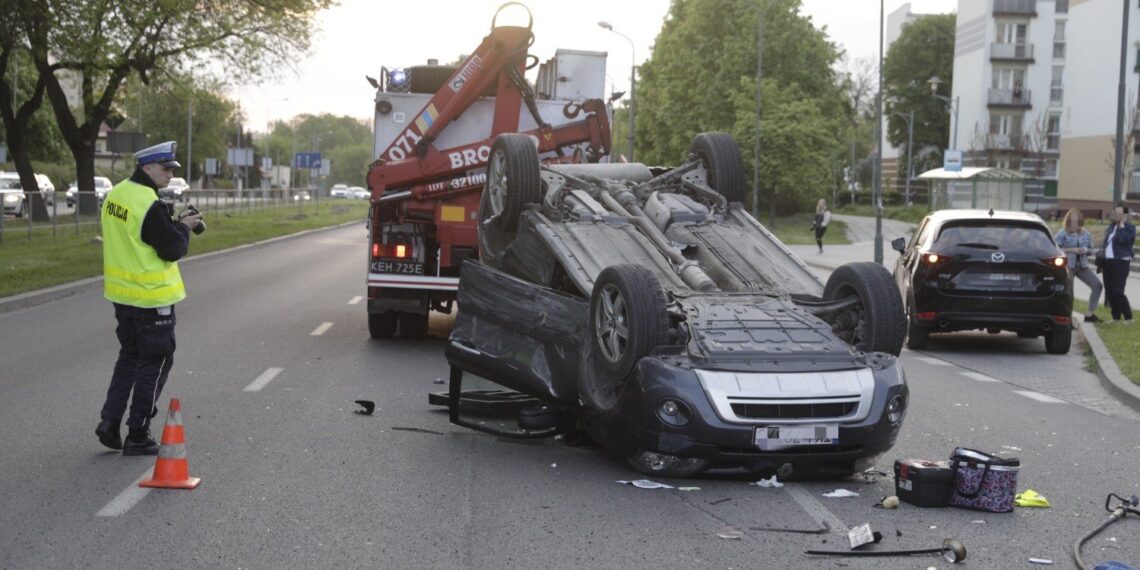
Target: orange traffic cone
(171,470)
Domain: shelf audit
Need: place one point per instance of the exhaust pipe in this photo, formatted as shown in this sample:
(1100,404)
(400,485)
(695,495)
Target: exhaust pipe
(1047,327)
(943,324)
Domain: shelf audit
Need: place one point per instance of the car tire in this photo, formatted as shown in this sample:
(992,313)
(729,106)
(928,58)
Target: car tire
(413,325)
(627,319)
(881,314)
(721,156)
(382,326)
(917,336)
(513,182)
(1058,340)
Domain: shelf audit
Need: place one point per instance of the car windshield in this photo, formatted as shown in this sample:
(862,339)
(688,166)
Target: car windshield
(9,183)
(994,236)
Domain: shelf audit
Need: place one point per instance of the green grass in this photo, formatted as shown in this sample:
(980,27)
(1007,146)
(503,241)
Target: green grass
(913,214)
(796,230)
(43,261)
(1122,341)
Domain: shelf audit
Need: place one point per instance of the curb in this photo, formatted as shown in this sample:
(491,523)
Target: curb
(1106,368)
(57,292)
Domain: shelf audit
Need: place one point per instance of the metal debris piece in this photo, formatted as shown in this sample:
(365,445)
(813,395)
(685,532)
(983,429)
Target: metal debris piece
(1042,561)
(417,430)
(821,530)
(730,533)
(368,407)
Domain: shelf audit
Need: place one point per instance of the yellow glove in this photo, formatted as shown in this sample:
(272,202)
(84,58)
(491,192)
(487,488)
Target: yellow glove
(1030,498)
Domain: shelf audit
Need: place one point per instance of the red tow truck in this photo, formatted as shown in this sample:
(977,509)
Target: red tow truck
(434,129)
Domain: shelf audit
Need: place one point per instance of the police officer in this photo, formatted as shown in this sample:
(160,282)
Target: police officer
(141,244)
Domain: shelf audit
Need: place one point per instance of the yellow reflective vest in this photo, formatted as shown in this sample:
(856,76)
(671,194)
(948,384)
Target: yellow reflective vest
(133,273)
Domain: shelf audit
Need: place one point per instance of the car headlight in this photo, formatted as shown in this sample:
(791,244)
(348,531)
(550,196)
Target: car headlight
(11,198)
(896,409)
(674,412)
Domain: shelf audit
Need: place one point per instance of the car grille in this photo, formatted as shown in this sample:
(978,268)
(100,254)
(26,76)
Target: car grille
(796,411)
(789,397)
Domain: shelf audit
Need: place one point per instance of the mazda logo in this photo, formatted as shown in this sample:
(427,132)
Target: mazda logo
(997,257)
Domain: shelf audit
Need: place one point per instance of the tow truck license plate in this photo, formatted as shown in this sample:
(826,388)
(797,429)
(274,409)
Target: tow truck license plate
(770,438)
(399,267)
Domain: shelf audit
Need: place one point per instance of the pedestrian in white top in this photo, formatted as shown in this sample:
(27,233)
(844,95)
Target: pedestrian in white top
(822,218)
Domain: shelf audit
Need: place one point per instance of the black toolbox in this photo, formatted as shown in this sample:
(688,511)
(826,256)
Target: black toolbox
(924,483)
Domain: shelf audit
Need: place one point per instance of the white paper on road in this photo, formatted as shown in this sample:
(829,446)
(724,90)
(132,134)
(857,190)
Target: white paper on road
(645,484)
(841,493)
(768,483)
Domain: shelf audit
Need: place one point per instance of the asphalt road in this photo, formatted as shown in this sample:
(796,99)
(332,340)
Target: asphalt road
(293,479)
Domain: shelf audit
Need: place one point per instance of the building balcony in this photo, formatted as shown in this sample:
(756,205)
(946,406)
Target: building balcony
(1011,52)
(1012,141)
(1009,98)
(1015,7)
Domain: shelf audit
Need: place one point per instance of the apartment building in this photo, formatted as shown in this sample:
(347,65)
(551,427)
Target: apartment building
(892,178)
(1011,58)
(1091,79)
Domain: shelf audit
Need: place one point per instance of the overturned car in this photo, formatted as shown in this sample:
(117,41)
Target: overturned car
(646,307)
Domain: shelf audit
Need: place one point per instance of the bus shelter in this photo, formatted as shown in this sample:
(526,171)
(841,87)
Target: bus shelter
(976,188)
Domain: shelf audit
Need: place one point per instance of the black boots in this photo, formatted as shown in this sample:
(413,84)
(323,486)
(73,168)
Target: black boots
(139,443)
(108,432)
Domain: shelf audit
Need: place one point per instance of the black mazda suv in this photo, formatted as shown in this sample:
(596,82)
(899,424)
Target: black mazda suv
(991,270)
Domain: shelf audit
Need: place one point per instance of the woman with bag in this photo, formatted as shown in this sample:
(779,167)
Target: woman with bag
(1076,242)
(1119,239)
(822,218)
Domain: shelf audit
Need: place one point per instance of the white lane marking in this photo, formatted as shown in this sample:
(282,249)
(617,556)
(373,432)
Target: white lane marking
(933,361)
(980,377)
(1039,397)
(355,300)
(265,378)
(127,499)
(815,509)
(321,329)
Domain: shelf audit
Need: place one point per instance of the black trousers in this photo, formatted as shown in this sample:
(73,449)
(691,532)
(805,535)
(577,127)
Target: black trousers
(819,231)
(1115,278)
(146,353)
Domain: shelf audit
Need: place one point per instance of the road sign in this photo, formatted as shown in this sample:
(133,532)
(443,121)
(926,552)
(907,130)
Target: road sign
(307,160)
(325,165)
(239,156)
(124,142)
(211,167)
(952,161)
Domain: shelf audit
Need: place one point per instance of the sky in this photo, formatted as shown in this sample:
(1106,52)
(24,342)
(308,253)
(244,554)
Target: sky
(357,37)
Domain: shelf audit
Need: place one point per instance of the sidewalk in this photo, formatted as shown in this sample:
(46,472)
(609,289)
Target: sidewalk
(861,233)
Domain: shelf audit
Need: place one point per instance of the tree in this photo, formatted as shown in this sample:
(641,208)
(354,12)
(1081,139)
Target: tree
(702,77)
(165,107)
(924,49)
(98,44)
(346,141)
(17,115)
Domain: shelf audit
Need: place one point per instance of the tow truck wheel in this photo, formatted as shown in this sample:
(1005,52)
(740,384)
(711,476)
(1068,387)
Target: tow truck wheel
(413,325)
(878,322)
(721,156)
(381,325)
(627,320)
(512,179)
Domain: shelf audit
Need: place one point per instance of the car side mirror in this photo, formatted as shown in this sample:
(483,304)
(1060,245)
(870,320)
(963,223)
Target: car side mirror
(898,244)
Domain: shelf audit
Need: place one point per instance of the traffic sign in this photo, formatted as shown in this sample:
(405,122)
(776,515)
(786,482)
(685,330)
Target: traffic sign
(952,161)
(307,160)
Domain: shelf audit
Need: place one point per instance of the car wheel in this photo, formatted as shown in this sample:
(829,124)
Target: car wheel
(381,325)
(627,319)
(661,465)
(512,183)
(1058,341)
(878,322)
(917,336)
(721,156)
(413,325)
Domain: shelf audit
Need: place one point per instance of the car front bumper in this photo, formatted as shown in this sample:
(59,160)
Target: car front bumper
(636,424)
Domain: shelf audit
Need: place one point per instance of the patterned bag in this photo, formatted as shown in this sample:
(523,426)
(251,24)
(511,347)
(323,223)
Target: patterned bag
(983,482)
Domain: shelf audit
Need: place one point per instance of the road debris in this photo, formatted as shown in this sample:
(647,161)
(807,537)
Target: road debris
(979,521)
(719,501)
(688,488)
(1044,561)
(730,533)
(862,535)
(952,550)
(645,484)
(841,493)
(1030,498)
(767,483)
(368,406)
(890,502)
(824,529)
(553,465)
(417,430)
(439,381)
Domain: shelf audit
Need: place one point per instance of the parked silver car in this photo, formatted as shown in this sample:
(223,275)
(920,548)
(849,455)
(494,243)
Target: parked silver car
(102,186)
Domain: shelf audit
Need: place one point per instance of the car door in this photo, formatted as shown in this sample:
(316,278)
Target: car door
(907,262)
(514,344)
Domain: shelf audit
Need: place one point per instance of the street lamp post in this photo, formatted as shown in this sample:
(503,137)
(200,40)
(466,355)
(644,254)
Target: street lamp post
(951,103)
(879,144)
(909,118)
(632,80)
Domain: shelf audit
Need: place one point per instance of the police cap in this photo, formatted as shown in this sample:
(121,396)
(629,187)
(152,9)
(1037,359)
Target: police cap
(162,153)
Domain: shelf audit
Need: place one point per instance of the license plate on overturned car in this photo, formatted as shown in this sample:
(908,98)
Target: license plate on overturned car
(770,438)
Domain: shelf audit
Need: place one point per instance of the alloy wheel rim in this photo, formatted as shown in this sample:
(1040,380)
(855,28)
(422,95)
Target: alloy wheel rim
(497,181)
(611,323)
